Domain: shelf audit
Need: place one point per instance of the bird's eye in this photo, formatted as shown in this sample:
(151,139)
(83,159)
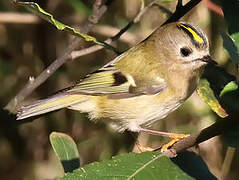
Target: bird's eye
(185,51)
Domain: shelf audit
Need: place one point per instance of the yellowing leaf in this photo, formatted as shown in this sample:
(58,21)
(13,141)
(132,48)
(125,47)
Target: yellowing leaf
(206,93)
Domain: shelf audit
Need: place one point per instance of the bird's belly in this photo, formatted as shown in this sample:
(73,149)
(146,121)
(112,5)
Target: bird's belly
(131,113)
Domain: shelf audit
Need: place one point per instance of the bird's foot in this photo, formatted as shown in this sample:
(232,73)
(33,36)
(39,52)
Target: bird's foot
(175,138)
(142,148)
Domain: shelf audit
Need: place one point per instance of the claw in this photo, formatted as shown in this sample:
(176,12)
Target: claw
(142,148)
(175,138)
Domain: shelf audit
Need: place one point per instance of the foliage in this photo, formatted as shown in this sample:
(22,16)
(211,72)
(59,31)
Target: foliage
(66,150)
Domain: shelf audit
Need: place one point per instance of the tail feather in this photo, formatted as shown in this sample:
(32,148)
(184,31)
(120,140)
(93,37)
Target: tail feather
(50,104)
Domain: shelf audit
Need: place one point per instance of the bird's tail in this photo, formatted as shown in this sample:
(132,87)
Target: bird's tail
(53,103)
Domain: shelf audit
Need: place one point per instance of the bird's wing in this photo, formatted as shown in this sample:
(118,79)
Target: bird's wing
(109,80)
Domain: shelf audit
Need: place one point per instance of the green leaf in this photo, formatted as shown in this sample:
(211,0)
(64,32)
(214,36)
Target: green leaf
(230,46)
(144,166)
(231,43)
(231,86)
(36,9)
(206,93)
(66,150)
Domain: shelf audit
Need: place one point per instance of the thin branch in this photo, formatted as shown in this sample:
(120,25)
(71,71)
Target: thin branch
(181,10)
(218,128)
(110,31)
(230,154)
(134,21)
(33,84)
(164,10)
(180,4)
(77,54)
(21,18)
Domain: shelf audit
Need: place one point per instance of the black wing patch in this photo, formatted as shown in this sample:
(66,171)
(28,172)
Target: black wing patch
(119,79)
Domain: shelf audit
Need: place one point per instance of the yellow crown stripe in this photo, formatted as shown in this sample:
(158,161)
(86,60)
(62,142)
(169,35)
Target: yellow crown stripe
(196,37)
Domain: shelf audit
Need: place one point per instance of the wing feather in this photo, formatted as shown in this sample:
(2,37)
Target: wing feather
(109,80)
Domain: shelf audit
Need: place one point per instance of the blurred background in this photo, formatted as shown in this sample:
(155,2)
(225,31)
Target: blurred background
(28,45)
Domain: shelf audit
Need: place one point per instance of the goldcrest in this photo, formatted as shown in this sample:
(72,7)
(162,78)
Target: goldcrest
(140,86)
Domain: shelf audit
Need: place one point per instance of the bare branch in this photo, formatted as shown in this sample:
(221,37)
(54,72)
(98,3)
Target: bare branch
(227,162)
(179,4)
(110,31)
(32,85)
(181,10)
(218,128)
(77,54)
(21,18)
(134,21)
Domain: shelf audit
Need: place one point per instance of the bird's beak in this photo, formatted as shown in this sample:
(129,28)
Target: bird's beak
(209,60)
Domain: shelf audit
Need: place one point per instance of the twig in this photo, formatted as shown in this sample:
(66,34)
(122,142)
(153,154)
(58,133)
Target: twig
(227,162)
(134,21)
(33,84)
(110,31)
(181,10)
(22,18)
(164,10)
(179,4)
(77,54)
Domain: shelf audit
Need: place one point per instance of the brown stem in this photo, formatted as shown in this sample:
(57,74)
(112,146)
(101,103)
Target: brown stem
(98,11)
(77,54)
(181,10)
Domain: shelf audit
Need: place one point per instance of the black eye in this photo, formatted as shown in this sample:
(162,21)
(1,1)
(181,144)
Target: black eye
(185,51)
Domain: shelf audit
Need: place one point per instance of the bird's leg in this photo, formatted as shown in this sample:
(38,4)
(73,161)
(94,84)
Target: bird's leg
(139,146)
(175,137)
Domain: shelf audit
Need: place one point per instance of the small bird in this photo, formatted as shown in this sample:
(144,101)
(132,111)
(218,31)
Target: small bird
(140,86)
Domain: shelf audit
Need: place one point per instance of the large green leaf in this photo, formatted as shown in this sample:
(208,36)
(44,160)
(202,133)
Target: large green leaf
(144,166)
(66,150)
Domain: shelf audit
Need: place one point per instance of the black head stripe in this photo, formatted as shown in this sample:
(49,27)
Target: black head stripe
(196,37)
